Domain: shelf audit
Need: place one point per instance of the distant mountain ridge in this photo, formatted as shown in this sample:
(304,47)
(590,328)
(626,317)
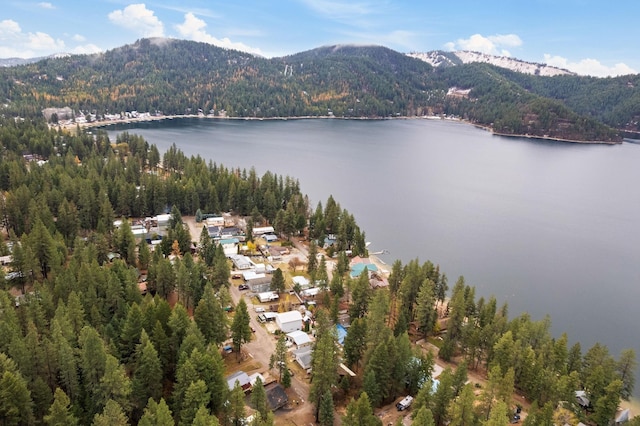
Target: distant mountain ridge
(175,77)
(439,58)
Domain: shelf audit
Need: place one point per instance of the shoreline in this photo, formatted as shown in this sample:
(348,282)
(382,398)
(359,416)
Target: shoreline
(150,118)
(542,138)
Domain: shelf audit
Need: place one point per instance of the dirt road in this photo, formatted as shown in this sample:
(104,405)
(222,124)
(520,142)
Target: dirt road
(260,349)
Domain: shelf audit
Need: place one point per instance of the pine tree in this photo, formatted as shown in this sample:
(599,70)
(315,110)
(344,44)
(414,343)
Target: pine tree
(59,412)
(327,409)
(425,313)
(461,411)
(130,335)
(324,360)
(259,398)
(237,411)
(210,317)
(277,281)
(312,262)
(360,413)
(204,418)
(156,414)
(424,417)
(370,386)
(114,385)
(442,397)
(112,415)
(221,271)
(178,323)
(286,378)
(43,247)
(93,358)
(144,255)
(16,405)
(195,397)
(147,378)
(355,342)
(606,405)
(498,415)
(240,328)
(278,358)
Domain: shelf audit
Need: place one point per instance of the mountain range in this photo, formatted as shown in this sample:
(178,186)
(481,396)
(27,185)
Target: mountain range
(439,58)
(169,76)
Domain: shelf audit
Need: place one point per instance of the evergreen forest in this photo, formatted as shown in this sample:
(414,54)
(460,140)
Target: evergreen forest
(82,345)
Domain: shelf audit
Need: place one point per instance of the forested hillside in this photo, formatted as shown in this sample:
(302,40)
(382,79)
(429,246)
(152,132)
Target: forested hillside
(82,345)
(169,76)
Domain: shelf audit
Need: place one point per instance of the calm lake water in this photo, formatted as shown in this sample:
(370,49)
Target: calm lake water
(551,228)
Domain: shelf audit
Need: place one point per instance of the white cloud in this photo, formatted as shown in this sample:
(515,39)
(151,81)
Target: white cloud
(15,43)
(137,18)
(9,27)
(492,45)
(44,42)
(193,28)
(46,5)
(589,66)
(78,37)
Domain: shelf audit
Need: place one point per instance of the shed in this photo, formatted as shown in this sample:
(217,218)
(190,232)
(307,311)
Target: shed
(270,238)
(263,230)
(260,285)
(299,338)
(163,219)
(289,321)
(303,357)
(267,317)
(241,262)
(267,296)
(242,378)
(301,281)
(276,396)
(310,292)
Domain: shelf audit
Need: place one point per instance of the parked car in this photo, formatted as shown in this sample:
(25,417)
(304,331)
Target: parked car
(259,309)
(243,287)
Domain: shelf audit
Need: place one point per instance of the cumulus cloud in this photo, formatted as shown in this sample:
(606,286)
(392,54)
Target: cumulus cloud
(16,43)
(46,5)
(193,28)
(9,27)
(492,45)
(589,66)
(78,37)
(137,18)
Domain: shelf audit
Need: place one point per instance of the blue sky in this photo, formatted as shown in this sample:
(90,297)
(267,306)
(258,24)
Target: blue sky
(591,37)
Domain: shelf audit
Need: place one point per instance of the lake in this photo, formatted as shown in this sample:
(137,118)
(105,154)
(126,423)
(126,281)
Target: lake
(548,227)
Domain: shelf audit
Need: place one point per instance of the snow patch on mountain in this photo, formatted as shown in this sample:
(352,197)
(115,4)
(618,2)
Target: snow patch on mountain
(438,58)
